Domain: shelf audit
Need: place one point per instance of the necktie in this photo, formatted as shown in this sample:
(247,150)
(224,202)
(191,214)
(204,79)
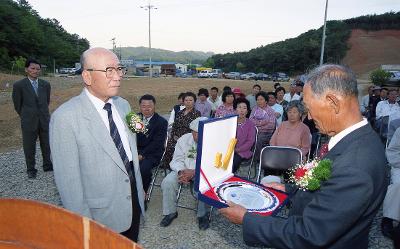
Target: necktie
(35,86)
(118,142)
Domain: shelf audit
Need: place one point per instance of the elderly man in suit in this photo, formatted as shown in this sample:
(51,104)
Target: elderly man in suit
(152,144)
(31,97)
(94,153)
(339,214)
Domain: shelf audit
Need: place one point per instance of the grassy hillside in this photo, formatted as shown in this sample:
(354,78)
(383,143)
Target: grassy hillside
(299,54)
(24,34)
(142,53)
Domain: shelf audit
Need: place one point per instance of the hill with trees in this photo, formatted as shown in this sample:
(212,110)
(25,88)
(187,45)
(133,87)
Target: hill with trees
(142,53)
(297,55)
(24,34)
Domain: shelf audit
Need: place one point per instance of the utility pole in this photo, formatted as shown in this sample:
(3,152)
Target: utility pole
(321,60)
(114,46)
(149,7)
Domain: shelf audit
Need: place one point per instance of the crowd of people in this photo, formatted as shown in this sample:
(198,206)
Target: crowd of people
(103,171)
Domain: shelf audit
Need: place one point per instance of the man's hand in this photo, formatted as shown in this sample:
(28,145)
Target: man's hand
(234,213)
(276,185)
(140,157)
(185,175)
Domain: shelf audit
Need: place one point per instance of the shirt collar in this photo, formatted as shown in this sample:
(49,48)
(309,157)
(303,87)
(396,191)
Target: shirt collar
(98,103)
(336,139)
(33,80)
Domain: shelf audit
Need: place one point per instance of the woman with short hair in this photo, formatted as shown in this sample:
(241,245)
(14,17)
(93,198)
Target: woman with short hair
(181,126)
(228,97)
(293,132)
(245,133)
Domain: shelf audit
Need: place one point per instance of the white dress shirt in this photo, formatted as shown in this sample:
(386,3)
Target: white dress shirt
(289,98)
(336,139)
(385,109)
(279,109)
(99,104)
(214,104)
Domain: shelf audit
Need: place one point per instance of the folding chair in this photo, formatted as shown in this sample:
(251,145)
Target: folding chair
(155,174)
(178,196)
(279,158)
(253,149)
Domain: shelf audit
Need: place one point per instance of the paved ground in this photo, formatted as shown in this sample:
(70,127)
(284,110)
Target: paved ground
(183,233)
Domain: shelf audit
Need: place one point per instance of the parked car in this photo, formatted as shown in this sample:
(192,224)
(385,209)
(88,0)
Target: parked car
(248,76)
(205,74)
(394,79)
(262,76)
(280,77)
(216,73)
(233,75)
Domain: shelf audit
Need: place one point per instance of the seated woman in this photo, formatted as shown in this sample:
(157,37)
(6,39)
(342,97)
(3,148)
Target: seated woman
(293,132)
(264,119)
(227,105)
(245,133)
(180,126)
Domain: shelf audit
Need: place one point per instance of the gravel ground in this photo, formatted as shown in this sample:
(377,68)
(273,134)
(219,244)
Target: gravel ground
(183,233)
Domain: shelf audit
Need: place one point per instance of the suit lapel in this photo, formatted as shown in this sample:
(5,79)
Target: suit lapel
(99,131)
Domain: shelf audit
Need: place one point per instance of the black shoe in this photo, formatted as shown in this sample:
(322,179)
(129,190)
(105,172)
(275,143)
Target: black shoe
(47,169)
(387,227)
(166,221)
(204,223)
(31,174)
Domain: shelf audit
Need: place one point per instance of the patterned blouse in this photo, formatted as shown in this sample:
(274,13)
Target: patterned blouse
(179,128)
(264,119)
(224,110)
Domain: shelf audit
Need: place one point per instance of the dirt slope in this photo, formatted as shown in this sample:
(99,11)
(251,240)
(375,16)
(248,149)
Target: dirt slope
(370,49)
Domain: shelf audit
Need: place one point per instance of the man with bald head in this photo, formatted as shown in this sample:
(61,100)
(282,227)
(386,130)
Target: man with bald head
(94,154)
(339,213)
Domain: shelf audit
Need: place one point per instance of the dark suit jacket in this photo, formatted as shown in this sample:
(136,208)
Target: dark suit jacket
(340,213)
(151,145)
(33,109)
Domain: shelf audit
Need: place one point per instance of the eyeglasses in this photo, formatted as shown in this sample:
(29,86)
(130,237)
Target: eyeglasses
(110,71)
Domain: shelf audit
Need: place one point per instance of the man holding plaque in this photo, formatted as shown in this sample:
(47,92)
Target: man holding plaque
(339,212)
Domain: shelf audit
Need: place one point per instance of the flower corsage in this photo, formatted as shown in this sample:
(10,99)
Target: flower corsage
(135,123)
(309,176)
(192,153)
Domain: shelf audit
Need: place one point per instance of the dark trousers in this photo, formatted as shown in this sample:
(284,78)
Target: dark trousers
(237,160)
(146,165)
(29,144)
(133,232)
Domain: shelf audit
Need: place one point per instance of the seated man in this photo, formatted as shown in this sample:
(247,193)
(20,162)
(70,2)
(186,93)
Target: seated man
(150,145)
(183,166)
(387,107)
(391,204)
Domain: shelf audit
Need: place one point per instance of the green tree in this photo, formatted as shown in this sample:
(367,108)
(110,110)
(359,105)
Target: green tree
(379,77)
(19,64)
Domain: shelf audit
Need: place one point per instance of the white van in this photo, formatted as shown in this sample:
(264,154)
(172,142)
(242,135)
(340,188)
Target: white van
(205,74)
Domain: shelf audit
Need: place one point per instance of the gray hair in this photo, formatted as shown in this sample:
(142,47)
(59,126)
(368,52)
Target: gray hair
(333,77)
(296,104)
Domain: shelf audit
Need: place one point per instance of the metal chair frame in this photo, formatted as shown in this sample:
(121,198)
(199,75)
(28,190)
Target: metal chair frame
(281,166)
(155,174)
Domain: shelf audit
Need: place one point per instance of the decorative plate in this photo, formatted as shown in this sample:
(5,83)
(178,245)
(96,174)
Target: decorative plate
(251,196)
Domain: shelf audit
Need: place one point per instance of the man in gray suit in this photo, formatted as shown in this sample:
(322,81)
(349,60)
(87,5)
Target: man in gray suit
(31,97)
(95,158)
(339,214)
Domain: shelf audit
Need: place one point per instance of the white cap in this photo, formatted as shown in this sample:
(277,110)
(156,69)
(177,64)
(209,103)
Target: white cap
(194,125)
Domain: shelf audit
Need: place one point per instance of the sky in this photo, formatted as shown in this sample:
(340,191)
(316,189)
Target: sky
(218,26)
